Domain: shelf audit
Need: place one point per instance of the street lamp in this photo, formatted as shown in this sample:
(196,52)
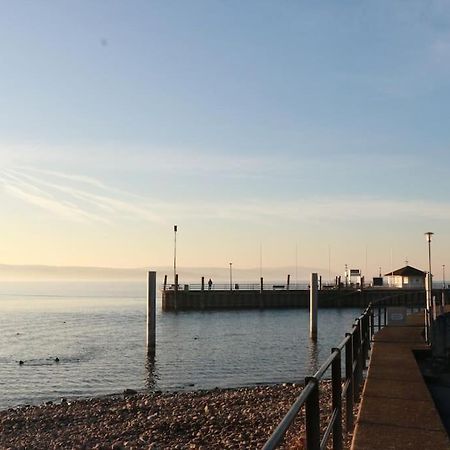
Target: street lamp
(429,285)
(175,229)
(231,276)
(443,290)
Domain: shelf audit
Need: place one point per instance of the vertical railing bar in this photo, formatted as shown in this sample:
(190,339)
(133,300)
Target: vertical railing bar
(312,414)
(337,399)
(379,317)
(349,378)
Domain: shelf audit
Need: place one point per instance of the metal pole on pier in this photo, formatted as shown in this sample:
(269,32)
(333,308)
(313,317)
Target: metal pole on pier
(151,312)
(429,291)
(313,300)
(175,229)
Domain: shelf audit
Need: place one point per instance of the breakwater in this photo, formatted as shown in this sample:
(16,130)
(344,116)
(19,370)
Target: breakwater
(186,300)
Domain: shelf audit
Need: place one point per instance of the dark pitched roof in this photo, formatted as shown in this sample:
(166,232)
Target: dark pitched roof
(406,271)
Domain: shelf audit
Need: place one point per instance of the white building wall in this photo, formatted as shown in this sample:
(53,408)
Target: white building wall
(398,281)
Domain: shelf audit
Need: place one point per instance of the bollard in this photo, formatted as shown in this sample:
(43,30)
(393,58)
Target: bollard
(313,299)
(151,312)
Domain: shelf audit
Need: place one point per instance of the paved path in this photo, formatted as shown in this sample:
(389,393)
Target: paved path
(397,411)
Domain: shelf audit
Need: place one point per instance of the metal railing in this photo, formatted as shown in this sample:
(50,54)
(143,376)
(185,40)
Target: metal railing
(345,391)
(237,287)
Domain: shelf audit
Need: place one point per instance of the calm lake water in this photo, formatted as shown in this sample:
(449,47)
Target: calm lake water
(97,330)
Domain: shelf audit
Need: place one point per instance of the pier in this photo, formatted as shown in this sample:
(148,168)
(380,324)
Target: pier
(397,410)
(187,299)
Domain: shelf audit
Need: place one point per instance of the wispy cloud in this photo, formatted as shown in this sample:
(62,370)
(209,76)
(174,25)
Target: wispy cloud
(330,209)
(79,203)
(80,198)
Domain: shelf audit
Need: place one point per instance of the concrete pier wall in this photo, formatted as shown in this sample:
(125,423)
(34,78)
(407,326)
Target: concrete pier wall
(241,299)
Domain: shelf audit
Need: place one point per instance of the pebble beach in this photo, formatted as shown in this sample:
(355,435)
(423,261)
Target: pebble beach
(241,418)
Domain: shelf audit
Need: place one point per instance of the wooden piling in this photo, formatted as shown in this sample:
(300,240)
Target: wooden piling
(261,293)
(176,293)
(313,299)
(151,313)
(288,281)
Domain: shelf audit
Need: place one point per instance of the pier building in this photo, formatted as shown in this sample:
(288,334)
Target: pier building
(406,278)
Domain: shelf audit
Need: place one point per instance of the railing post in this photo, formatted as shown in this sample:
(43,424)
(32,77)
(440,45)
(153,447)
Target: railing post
(337,399)
(350,379)
(362,352)
(357,360)
(372,323)
(312,413)
(379,317)
(365,337)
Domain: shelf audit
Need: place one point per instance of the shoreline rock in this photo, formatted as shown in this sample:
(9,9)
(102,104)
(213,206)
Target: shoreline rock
(241,418)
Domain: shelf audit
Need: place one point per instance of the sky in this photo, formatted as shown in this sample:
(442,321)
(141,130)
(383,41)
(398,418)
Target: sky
(273,133)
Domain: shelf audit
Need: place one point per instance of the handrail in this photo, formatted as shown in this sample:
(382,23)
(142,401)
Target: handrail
(356,345)
(283,426)
(324,367)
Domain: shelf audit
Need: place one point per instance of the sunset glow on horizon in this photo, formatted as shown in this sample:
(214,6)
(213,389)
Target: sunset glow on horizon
(305,135)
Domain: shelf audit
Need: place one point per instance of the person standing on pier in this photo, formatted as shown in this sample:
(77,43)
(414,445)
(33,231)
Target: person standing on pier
(209,284)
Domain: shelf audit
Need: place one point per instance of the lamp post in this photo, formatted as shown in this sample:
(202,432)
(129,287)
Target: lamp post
(231,276)
(429,285)
(175,229)
(443,290)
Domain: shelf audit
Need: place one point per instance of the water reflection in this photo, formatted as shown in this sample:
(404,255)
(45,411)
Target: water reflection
(151,375)
(313,353)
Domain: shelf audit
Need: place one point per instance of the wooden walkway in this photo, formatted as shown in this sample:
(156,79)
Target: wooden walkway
(397,411)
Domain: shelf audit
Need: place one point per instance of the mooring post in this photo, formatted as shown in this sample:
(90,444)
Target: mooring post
(203,283)
(288,281)
(313,300)
(151,312)
(320,283)
(165,282)
(261,300)
(176,293)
